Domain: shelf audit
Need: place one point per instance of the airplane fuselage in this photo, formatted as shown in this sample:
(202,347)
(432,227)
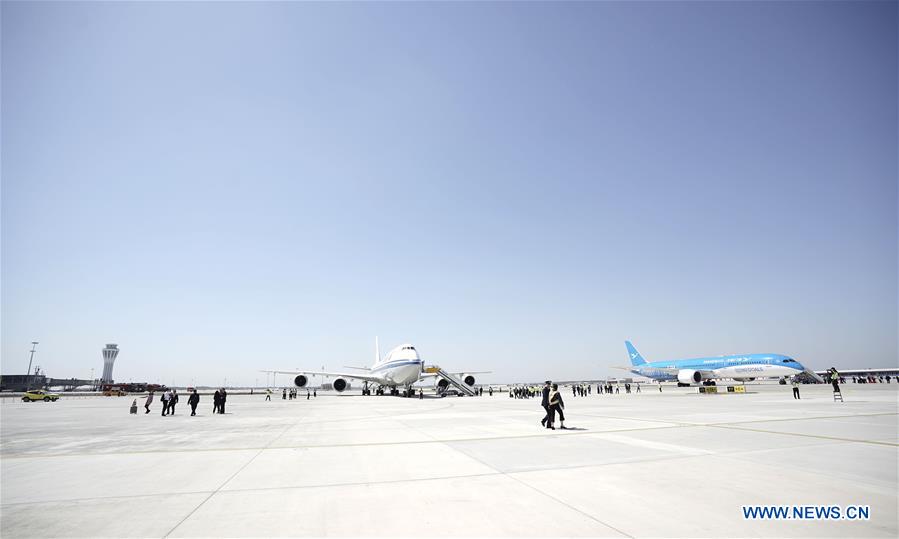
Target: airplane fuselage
(400,367)
(738,367)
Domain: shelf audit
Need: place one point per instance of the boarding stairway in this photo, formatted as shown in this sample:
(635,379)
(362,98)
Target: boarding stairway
(451,380)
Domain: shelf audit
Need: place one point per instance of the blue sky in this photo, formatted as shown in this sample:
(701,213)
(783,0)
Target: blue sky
(515,187)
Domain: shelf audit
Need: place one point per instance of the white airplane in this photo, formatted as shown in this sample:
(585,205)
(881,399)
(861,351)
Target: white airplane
(400,368)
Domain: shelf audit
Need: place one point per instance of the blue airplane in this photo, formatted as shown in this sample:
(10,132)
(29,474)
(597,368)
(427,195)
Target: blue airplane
(697,370)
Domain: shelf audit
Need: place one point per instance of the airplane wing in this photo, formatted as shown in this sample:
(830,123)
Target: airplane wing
(354,376)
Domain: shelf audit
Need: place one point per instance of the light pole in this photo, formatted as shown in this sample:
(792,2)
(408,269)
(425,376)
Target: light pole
(30,359)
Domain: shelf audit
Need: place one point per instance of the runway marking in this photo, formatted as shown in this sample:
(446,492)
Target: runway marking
(495,473)
(662,446)
(802,418)
(671,425)
(818,436)
(331,446)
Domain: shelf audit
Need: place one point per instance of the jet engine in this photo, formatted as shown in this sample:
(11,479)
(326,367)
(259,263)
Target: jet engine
(442,384)
(339,385)
(687,376)
(300,381)
(468,379)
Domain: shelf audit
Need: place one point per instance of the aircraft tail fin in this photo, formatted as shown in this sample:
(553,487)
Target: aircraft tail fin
(636,358)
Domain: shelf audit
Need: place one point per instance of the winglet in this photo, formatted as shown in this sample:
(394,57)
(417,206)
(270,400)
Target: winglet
(636,358)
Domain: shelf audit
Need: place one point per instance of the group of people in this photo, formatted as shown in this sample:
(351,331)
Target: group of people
(218,401)
(522,392)
(290,394)
(170,399)
(553,404)
(581,390)
(869,379)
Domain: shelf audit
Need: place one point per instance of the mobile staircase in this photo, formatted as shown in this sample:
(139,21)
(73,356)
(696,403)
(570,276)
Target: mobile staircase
(451,380)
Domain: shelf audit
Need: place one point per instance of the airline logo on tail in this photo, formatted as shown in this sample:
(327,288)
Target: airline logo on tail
(636,358)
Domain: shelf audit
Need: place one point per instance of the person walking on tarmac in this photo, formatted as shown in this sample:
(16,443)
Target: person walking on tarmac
(148,402)
(216,401)
(222,404)
(193,401)
(795,382)
(544,402)
(173,400)
(555,407)
(166,402)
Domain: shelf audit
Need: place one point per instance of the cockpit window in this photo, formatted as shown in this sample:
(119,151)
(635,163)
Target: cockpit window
(789,361)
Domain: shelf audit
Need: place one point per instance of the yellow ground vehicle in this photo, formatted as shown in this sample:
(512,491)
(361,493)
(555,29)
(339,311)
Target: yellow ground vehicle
(39,395)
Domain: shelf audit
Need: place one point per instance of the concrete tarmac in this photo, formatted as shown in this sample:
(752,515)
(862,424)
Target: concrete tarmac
(675,464)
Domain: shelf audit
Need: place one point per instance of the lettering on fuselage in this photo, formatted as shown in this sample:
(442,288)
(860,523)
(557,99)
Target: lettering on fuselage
(748,369)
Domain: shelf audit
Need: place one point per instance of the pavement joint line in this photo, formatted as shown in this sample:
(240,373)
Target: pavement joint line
(411,480)
(801,419)
(885,487)
(566,504)
(496,473)
(818,436)
(331,446)
(258,489)
(694,424)
(232,476)
(671,424)
(400,481)
(353,484)
(546,494)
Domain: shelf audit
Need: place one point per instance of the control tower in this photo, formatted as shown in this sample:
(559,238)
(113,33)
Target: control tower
(109,355)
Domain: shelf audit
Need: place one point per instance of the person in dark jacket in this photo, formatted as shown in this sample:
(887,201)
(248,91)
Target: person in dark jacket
(216,401)
(224,399)
(555,407)
(544,402)
(173,400)
(193,401)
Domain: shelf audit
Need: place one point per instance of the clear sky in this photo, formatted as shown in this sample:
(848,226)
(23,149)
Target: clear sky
(514,187)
